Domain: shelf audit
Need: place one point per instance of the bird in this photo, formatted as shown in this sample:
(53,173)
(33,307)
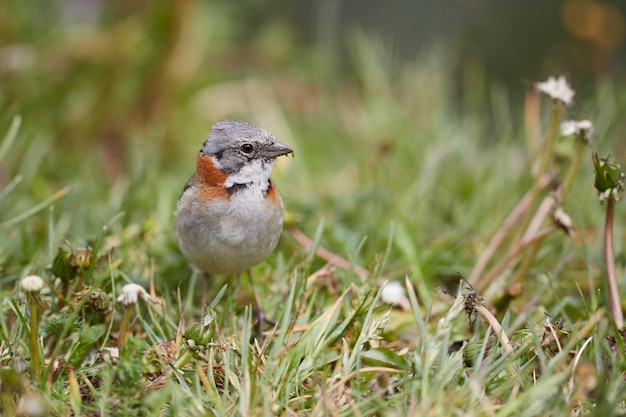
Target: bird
(229,216)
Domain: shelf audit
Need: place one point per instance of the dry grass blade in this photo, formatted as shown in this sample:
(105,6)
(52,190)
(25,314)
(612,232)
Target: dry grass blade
(512,219)
(327,255)
(511,256)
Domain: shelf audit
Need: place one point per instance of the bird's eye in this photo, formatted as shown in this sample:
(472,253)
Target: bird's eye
(247,148)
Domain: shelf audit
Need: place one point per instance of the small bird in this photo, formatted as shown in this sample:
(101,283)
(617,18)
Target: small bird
(230,216)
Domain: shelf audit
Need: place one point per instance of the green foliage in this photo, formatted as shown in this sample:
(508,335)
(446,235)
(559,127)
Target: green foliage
(396,177)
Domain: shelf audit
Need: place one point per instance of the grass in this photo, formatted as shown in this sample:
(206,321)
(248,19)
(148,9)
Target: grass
(395,178)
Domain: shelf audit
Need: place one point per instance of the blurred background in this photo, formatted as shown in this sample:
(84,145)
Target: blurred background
(378,98)
(112,66)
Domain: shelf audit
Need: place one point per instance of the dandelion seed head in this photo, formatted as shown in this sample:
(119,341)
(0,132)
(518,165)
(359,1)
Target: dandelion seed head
(131,294)
(31,284)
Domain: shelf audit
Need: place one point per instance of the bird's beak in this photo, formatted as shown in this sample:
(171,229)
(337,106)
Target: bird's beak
(276,149)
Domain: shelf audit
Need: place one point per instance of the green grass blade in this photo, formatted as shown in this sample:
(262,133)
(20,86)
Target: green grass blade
(33,210)
(10,137)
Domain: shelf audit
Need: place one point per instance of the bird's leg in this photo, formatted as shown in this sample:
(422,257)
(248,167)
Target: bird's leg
(205,289)
(258,309)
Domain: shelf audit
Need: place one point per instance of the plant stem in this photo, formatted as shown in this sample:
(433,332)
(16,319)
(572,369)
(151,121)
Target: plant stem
(184,359)
(511,220)
(327,255)
(572,169)
(544,165)
(521,271)
(124,328)
(505,262)
(537,220)
(496,327)
(34,338)
(550,139)
(609,260)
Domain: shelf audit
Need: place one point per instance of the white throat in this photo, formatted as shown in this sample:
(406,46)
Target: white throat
(255,172)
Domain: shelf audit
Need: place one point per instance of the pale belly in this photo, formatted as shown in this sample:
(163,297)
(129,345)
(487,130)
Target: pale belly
(228,237)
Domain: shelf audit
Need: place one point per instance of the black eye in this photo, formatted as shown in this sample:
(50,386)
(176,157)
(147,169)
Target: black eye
(247,148)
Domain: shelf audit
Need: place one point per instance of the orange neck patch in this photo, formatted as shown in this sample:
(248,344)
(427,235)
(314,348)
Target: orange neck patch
(207,174)
(272,192)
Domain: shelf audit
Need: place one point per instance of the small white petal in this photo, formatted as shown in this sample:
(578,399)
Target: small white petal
(568,128)
(557,88)
(581,127)
(616,194)
(585,125)
(31,283)
(131,293)
(604,195)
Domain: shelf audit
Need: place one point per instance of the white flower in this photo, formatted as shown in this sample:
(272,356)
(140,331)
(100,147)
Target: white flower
(394,293)
(558,89)
(31,283)
(580,127)
(131,293)
(110,354)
